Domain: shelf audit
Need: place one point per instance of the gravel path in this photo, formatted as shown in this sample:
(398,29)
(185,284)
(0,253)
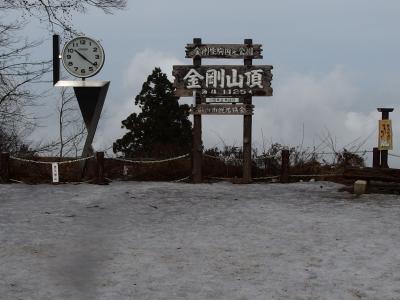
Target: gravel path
(136,240)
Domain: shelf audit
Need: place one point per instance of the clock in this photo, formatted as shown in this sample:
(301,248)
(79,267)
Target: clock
(83,57)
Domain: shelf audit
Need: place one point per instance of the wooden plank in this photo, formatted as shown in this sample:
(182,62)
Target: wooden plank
(230,51)
(382,174)
(222,109)
(223,80)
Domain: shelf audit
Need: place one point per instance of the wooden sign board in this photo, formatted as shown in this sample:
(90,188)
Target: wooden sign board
(222,109)
(385,141)
(224,51)
(223,80)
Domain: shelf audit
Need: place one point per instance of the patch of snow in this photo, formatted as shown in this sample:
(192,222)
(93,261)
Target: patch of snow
(152,240)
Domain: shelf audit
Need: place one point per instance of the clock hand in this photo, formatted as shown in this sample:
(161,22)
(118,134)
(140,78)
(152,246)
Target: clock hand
(84,57)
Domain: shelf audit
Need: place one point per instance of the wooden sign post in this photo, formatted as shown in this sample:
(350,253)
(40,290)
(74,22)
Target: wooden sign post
(222,90)
(247,126)
(197,143)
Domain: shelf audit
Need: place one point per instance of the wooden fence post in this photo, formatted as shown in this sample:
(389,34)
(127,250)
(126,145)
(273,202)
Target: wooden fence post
(285,166)
(376,155)
(4,167)
(100,168)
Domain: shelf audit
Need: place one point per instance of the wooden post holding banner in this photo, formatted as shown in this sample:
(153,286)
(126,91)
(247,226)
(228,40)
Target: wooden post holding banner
(4,167)
(285,166)
(100,168)
(385,141)
(247,124)
(197,144)
(376,157)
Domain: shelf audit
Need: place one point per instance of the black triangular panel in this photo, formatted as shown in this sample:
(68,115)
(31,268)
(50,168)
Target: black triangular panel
(87,99)
(91,101)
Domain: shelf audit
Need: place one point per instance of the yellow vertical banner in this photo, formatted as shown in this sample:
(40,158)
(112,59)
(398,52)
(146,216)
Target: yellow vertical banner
(385,141)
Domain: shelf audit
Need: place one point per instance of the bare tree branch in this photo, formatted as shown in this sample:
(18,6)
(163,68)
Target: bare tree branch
(57,13)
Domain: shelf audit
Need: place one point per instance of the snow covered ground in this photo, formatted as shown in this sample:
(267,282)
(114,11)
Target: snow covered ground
(136,240)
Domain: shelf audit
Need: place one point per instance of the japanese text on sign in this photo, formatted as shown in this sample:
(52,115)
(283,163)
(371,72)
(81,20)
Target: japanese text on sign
(219,79)
(220,51)
(228,109)
(223,80)
(223,51)
(385,135)
(54,171)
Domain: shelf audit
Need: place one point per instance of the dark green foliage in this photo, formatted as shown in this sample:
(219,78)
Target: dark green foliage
(162,129)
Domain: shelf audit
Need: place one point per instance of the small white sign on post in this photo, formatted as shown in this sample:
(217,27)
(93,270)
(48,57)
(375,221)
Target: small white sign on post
(54,168)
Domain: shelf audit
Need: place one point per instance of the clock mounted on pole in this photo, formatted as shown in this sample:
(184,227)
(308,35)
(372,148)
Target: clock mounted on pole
(83,57)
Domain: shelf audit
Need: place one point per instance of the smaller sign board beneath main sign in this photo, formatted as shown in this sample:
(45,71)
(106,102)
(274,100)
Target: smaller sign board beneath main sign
(222,100)
(223,81)
(224,51)
(222,109)
(385,135)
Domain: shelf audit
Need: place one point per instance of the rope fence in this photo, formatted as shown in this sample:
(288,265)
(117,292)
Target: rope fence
(53,164)
(98,160)
(49,162)
(182,179)
(99,165)
(150,161)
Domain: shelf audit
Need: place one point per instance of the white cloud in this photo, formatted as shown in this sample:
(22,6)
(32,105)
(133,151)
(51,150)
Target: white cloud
(331,102)
(144,62)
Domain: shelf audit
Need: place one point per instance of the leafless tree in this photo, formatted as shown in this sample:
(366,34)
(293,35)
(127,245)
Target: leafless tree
(19,73)
(57,13)
(72,129)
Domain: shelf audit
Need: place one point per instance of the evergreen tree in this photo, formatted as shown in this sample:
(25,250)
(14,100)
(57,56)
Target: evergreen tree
(162,129)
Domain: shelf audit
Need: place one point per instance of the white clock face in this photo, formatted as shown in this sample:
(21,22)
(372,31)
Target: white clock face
(83,57)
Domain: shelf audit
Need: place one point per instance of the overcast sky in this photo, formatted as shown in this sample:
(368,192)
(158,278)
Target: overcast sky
(334,62)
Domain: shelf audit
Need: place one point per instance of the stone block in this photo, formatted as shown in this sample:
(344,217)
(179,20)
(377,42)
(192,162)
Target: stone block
(360,187)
